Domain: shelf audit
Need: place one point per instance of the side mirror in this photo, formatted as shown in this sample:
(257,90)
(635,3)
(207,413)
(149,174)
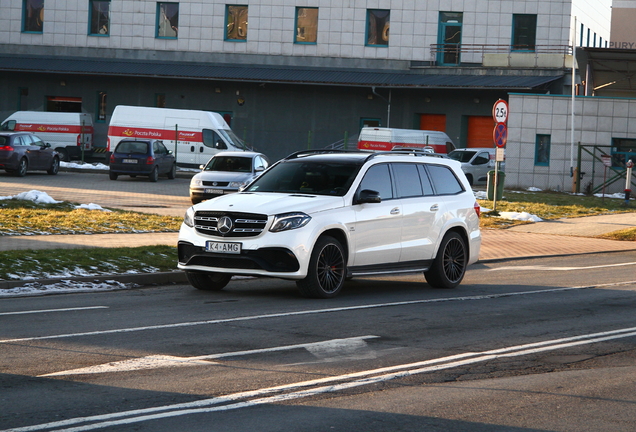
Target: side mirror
(169,152)
(46,145)
(259,168)
(368,196)
(220,145)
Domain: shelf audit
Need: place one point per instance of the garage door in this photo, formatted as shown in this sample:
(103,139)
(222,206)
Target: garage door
(480,130)
(434,122)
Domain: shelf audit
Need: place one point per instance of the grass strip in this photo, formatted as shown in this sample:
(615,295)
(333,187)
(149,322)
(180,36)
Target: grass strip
(55,263)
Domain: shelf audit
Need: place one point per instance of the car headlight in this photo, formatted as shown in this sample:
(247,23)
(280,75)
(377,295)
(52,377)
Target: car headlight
(237,184)
(196,182)
(189,217)
(289,221)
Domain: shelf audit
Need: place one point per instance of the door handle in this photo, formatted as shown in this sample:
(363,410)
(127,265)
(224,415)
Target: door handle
(396,210)
(435,207)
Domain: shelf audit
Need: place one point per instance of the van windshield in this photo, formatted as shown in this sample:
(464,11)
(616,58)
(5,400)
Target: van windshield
(231,137)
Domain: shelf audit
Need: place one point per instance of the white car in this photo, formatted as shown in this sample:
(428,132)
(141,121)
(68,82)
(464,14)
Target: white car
(476,162)
(226,172)
(322,217)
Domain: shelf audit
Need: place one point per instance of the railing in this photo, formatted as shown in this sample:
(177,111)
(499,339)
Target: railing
(500,55)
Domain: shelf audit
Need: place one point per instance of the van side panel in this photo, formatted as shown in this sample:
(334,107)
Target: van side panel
(166,124)
(58,129)
(384,139)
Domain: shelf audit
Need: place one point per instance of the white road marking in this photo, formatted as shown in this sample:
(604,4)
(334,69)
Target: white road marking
(346,345)
(548,268)
(311,312)
(53,310)
(316,387)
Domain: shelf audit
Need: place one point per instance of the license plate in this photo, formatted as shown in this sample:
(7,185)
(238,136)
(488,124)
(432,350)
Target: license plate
(214,191)
(130,161)
(222,247)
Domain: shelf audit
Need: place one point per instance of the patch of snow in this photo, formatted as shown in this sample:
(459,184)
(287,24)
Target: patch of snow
(64,286)
(521,216)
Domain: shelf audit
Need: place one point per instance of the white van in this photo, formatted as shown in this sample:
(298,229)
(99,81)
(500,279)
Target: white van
(68,133)
(200,134)
(385,139)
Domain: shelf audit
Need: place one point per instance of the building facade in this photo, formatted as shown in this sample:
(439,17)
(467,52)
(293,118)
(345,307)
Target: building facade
(294,74)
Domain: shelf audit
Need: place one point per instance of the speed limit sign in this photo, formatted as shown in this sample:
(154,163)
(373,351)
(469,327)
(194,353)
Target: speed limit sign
(500,111)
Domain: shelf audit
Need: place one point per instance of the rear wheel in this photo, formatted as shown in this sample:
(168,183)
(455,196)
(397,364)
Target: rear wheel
(22,168)
(208,281)
(449,266)
(154,175)
(113,176)
(326,274)
(55,166)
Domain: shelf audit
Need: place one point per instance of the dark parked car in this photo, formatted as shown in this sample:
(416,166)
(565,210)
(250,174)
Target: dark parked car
(23,151)
(135,157)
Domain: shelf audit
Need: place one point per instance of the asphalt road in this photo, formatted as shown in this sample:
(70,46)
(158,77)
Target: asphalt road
(526,345)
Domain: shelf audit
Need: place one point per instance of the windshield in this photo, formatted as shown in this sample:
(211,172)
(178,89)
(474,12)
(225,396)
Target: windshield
(231,137)
(306,177)
(230,163)
(462,155)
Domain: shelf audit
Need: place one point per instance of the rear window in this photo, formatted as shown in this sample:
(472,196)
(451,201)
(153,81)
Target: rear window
(462,156)
(444,180)
(132,147)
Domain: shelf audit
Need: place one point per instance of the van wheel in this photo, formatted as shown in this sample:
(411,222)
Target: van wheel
(326,273)
(154,175)
(63,154)
(449,266)
(172,174)
(113,176)
(55,167)
(208,281)
(22,168)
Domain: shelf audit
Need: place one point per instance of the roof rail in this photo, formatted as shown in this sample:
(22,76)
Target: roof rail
(405,153)
(317,151)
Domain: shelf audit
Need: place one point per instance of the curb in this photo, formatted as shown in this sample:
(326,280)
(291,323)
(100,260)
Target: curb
(142,279)
(180,174)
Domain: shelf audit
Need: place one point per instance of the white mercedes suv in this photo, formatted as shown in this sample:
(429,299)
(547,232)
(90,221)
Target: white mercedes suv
(322,217)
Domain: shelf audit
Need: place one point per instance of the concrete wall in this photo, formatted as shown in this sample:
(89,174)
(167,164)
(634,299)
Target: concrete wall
(341,26)
(597,120)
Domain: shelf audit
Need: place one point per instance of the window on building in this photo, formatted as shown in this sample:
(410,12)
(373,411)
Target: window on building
(370,122)
(99,17)
(524,32)
(63,104)
(236,23)
(33,16)
(542,150)
(160,100)
(101,107)
(167,20)
(378,22)
(306,25)
(449,38)
(623,150)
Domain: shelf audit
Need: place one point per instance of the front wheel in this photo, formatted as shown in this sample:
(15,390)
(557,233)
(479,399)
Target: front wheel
(154,175)
(208,281)
(172,174)
(449,266)
(327,270)
(55,167)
